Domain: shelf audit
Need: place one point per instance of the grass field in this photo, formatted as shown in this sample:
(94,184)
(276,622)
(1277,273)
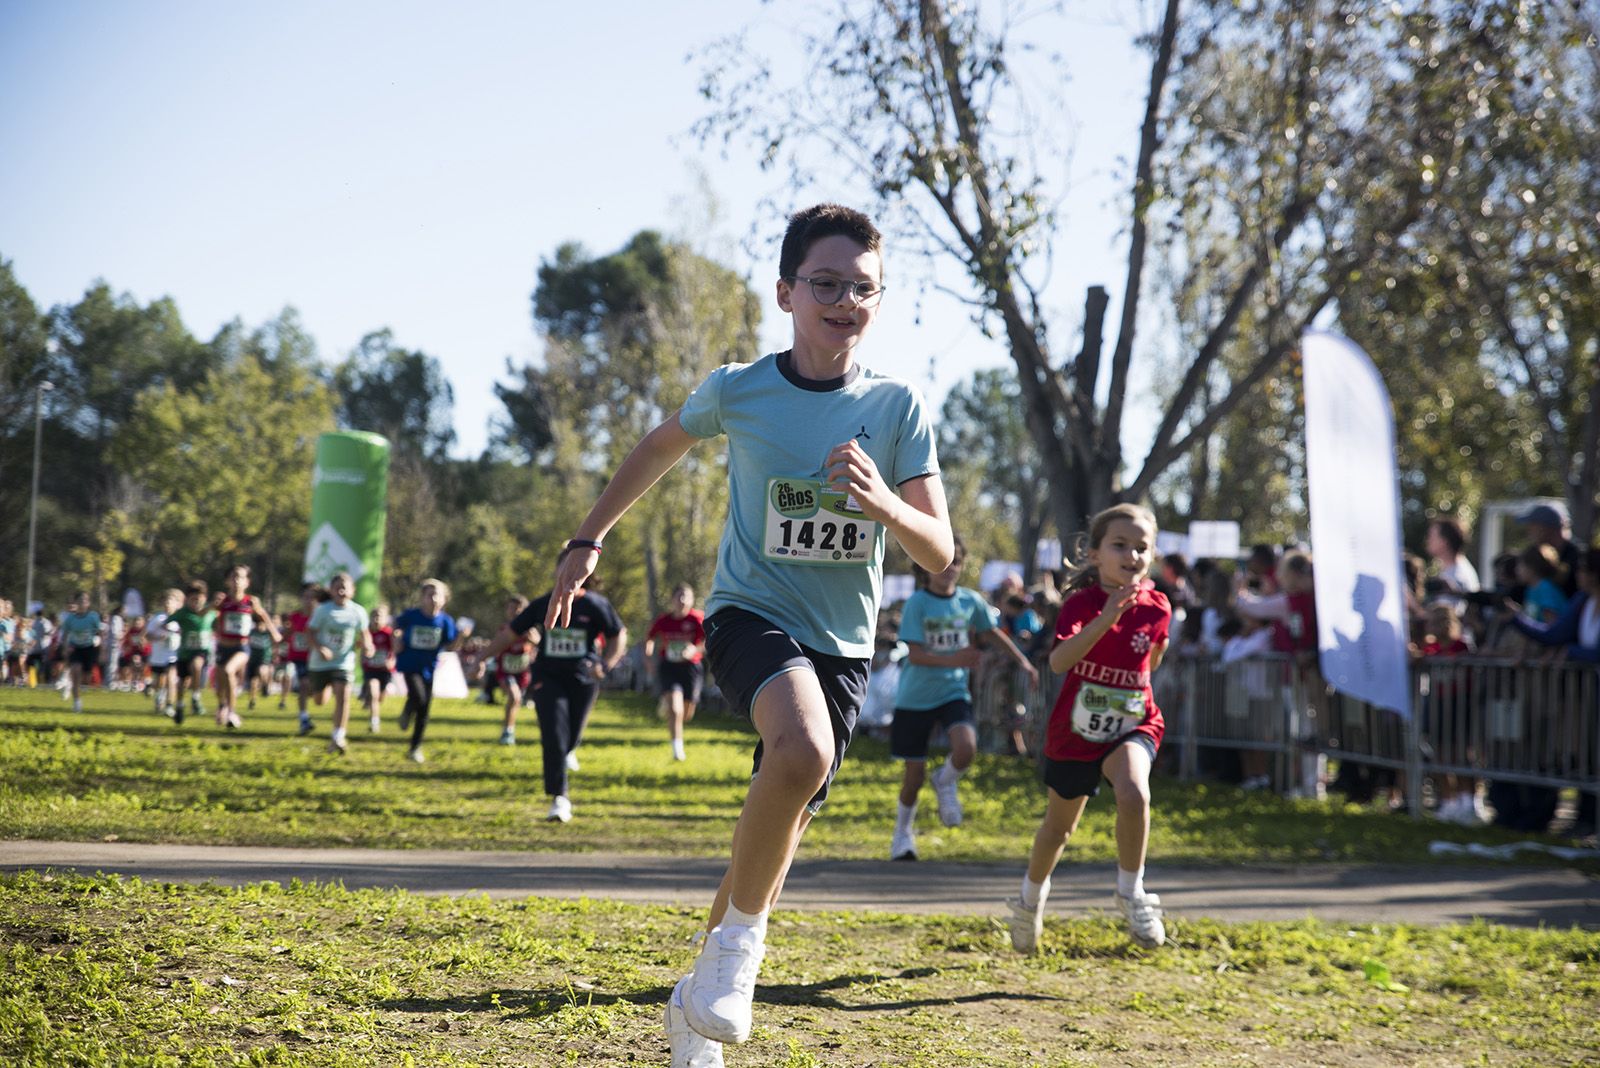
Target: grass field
(119,770)
(107,971)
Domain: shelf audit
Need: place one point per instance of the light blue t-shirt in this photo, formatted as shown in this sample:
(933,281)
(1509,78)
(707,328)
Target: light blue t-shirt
(791,552)
(942,625)
(80,631)
(338,628)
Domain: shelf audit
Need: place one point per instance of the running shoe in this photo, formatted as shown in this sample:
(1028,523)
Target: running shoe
(305,726)
(572,761)
(508,737)
(338,746)
(234,722)
(416,756)
(904,845)
(1143,912)
(720,992)
(77,704)
(177,714)
(374,723)
(1026,925)
(944,788)
(560,810)
(677,750)
(689,1048)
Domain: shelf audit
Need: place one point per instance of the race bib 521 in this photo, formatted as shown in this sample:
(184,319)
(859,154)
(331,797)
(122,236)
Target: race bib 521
(809,524)
(1104,713)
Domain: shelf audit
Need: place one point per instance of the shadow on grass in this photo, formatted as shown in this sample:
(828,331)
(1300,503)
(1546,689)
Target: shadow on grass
(541,1002)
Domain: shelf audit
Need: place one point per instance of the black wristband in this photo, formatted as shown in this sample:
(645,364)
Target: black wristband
(582,543)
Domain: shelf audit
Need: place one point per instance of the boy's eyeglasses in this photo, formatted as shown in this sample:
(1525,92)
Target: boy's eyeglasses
(832,290)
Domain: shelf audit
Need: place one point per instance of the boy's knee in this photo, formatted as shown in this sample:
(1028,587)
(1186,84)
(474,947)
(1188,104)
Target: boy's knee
(1131,793)
(800,762)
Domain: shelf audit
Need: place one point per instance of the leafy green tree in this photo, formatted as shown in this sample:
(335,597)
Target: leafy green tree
(223,472)
(23,355)
(991,469)
(399,393)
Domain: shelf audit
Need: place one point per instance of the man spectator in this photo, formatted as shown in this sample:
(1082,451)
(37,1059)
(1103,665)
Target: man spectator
(1547,525)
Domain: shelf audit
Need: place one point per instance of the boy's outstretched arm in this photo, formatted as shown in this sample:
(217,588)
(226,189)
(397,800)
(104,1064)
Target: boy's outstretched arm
(653,457)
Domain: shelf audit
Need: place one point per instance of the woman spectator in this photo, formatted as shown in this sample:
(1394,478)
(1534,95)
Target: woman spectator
(1445,542)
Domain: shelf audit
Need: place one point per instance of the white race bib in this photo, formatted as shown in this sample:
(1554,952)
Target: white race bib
(945,635)
(1104,713)
(678,651)
(425,637)
(810,524)
(300,641)
(566,643)
(236,624)
(513,663)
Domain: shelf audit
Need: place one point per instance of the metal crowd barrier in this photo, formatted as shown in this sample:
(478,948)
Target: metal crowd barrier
(1535,723)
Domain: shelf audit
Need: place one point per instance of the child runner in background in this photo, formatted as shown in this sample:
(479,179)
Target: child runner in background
(258,671)
(571,661)
(135,655)
(239,614)
(942,625)
(161,632)
(824,457)
(679,637)
(80,630)
(1110,636)
(511,661)
(378,667)
(116,628)
(38,659)
(195,622)
(338,631)
(8,639)
(421,633)
(299,655)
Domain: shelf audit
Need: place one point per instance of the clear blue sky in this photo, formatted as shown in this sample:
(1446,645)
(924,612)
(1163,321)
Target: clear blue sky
(408,165)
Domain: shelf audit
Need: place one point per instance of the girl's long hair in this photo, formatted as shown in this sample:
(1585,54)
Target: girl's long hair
(920,576)
(1080,574)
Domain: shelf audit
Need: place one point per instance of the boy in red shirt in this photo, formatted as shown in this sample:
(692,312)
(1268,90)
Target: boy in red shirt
(377,669)
(680,637)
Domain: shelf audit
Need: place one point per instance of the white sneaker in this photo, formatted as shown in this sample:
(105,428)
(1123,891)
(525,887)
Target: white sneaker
(718,994)
(77,704)
(508,737)
(572,761)
(374,723)
(1143,912)
(904,845)
(944,788)
(677,749)
(416,756)
(560,810)
(233,721)
(689,1048)
(1026,925)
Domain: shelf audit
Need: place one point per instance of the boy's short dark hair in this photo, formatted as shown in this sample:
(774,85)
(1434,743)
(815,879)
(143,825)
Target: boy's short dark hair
(198,588)
(813,224)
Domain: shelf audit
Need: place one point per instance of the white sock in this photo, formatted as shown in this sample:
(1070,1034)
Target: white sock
(677,748)
(338,735)
(906,818)
(1130,883)
(951,772)
(1033,894)
(757,921)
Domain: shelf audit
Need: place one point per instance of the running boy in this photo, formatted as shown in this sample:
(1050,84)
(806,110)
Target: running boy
(195,621)
(680,637)
(510,658)
(338,628)
(161,631)
(378,668)
(565,679)
(299,654)
(239,613)
(817,448)
(80,631)
(1110,636)
(258,672)
(942,625)
(421,633)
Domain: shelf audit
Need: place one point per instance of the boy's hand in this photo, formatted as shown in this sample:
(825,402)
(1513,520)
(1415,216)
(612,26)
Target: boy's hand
(325,651)
(574,568)
(850,470)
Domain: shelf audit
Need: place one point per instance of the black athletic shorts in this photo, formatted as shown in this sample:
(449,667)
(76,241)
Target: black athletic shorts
(1081,778)
(913,727)
(85,656)
(379,675)
(259,658)
(226,652)
(325,677)
(746,651)
(684,676)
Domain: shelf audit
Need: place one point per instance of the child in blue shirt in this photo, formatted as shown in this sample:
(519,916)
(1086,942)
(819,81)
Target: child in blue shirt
(825,457)
(421,634)
(942,625)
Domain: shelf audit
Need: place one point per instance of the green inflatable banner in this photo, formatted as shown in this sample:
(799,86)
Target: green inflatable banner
(349,506)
